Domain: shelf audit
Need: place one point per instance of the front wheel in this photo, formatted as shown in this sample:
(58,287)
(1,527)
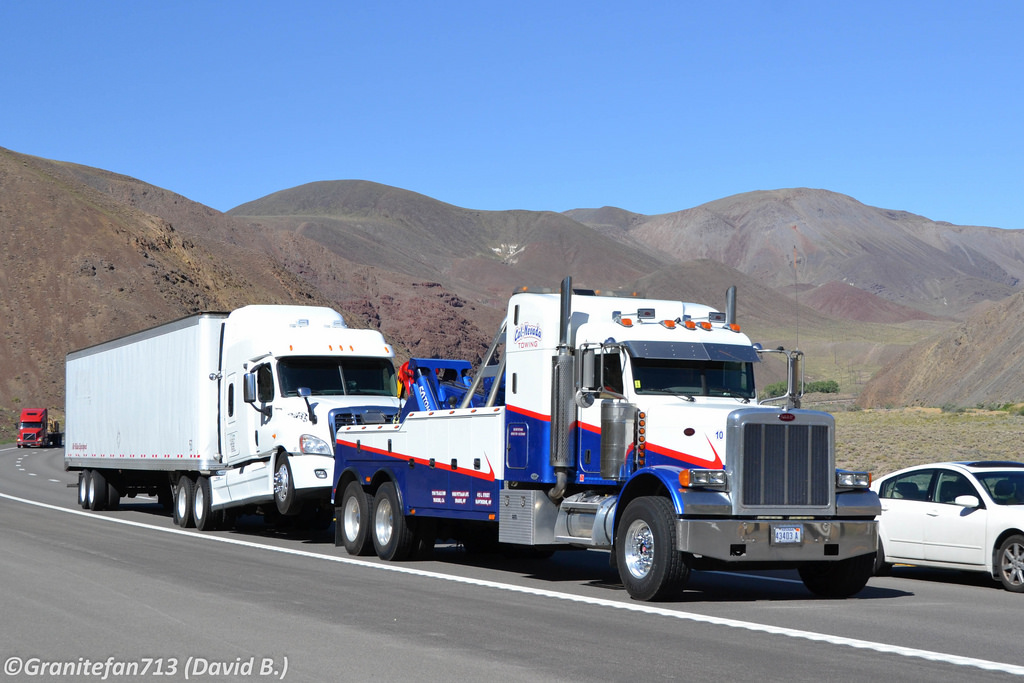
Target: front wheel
(352,523)
(393,539)
(1010,564)
(839,579)
(284,488)
(647,552)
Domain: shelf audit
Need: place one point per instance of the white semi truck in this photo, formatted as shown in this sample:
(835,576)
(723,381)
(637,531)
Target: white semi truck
(219,413)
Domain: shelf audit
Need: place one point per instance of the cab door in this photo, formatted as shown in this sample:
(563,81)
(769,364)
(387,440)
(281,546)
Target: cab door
(231,403)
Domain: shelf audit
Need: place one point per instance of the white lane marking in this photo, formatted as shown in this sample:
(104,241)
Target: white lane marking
(55,481)
(644,608)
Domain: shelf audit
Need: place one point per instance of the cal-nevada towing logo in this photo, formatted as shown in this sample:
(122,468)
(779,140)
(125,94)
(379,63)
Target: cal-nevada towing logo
(527,336)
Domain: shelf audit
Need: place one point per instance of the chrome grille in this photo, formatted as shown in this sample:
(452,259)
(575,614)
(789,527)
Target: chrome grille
(786,465)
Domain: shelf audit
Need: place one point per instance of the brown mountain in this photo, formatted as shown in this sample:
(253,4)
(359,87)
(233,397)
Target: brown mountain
(91,255)
(803,236)
(977,362)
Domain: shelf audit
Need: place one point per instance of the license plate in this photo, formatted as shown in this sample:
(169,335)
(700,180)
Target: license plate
(787,535)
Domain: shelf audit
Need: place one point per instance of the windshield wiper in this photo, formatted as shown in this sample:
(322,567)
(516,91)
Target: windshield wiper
(730,394)
(667,392)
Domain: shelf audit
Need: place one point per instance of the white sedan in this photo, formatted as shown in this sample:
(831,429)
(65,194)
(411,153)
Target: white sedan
(954,515)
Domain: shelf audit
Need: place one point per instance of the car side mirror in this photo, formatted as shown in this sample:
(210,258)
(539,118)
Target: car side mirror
(967,501)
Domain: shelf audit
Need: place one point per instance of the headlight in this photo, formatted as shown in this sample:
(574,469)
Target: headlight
(853,480)
(312,445)
(715,479)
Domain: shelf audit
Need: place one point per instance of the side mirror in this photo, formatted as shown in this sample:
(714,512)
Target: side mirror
(249,387)
(305,393)
(967,501)
(588,381)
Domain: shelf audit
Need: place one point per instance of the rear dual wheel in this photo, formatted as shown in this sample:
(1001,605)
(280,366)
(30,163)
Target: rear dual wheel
(205,518)
(96,492)
(184,503)
(393,537)
(352,520)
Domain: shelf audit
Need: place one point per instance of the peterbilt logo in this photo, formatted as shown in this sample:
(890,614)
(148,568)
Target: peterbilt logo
(527,336)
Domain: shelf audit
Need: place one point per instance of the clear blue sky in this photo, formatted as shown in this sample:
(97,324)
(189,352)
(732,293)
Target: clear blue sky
(649,106)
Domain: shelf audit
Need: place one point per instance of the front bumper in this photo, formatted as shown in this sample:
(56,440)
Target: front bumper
(754,540)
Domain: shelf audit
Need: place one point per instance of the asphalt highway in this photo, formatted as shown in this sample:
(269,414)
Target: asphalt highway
(126,595)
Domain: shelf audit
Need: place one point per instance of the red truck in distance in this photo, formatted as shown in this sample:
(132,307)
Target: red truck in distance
(35,429)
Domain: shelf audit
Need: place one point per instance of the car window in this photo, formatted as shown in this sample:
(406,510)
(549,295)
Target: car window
(952,484)
(1005,488)
(909,486)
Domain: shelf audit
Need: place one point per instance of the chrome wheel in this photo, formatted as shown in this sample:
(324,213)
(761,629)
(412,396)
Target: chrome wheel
(281,480)
(352,518)
(639,549)
(199,506)
(181,501)
(1011,564)
(383,522)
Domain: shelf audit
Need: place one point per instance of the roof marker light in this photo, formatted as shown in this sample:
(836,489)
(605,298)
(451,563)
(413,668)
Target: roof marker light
(705,326)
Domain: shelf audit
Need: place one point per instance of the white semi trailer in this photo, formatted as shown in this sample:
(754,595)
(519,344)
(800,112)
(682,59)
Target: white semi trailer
(218,413)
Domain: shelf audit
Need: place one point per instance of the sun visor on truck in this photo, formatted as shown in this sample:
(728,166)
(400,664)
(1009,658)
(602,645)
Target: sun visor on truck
(663,350)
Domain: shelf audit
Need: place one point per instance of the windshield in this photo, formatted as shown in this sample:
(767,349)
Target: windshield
(334,376)
(693,377)
(1005,488)
(31,425)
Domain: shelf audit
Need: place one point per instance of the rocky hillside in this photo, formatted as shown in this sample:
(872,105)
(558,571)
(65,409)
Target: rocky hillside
(90,255)
(805,236)
(975,363)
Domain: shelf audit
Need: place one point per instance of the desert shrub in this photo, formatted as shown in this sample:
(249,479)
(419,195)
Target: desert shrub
(826,386)
(774,389)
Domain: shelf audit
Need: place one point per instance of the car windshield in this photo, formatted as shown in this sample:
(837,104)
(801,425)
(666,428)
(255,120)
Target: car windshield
(693,377)
(31,425)
(1005,488)
(334,376)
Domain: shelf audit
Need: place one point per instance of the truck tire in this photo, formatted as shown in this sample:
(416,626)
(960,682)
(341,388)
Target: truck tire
(352,521)
(113,496)
(839,579)
(205,518)
(83,489)
(647,552)
(881,567)
(284,488)
(184,501)
(1010,564)
(97,491)
(393,539)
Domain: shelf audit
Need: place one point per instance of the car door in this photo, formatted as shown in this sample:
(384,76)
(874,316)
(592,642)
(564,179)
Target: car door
(905,505)
(952,533)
